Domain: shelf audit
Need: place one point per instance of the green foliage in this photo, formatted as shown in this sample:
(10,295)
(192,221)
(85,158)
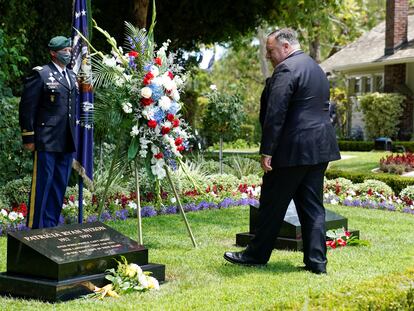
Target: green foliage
(14,161)
(226,180)
(11,59)
(223,117)
(241,166)
(17,191)
(235,144)
(352,145)
(382,112)
(395,182)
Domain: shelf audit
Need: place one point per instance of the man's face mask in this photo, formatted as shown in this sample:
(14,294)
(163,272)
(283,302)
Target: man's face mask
(64,57)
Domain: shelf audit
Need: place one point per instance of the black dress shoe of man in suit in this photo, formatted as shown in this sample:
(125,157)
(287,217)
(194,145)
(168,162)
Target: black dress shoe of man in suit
(241,258)
(314,270)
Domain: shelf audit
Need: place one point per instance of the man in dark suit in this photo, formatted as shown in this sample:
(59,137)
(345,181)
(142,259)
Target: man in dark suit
(297,143)
(47,120)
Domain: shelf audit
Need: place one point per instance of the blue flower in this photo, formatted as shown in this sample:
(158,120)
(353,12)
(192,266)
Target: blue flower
(174,107)
(159,115)
(92,218)
(148,211)
(157,92)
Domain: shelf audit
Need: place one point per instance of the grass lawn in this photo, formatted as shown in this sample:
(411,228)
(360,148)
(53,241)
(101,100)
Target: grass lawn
(200,279)
(356,161)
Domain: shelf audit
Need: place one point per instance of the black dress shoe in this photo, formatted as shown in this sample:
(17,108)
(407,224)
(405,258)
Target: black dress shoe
(315,271)
(241,258)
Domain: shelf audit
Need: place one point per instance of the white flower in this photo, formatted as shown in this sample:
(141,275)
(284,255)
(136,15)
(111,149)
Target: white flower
(155,71)
(13,216)
(165,103)
(109,61)
(153,283)
(143,153)
(244,196)
(333,201)
(148,112)
(213,87)
(157,81)
(168,124)
(4,212)
(158,168)
(20,215)
(173,200)
(135,268)
(127,107)
(175,95)
(146,92)
(134,131)
(142,279)
(169,84)
(132,205)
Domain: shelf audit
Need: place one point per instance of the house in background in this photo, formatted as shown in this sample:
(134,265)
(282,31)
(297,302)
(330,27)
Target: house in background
(381,60)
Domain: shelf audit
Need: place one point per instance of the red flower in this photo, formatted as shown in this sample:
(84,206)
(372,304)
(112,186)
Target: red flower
(170,117)
(180,148)
(370,192)
(22,208)
(147,78)
(341,242)
(178,141)
(72,198)
(146,101)
(152,124)
(165,130)
(133,53)
(176,123)
(158,61)
(347,234)
(170,75)
(159,155)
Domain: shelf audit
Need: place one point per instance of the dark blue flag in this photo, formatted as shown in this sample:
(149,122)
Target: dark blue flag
(81,65)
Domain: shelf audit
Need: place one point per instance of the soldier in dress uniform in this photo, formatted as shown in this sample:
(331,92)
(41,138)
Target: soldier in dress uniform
(47,121)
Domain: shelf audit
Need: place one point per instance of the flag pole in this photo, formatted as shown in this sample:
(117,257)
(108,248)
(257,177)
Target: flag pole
(80,200)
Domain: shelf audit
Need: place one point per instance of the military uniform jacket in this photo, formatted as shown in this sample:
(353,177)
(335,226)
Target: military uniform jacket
(296,128)
(47,110)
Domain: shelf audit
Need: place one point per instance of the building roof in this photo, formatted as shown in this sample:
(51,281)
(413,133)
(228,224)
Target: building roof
(368,51)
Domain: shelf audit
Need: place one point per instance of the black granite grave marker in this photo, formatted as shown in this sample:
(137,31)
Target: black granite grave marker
(290,235)
(65,262)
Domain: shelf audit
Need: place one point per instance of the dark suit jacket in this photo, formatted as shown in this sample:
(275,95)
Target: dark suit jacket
(47,110)
(296,129)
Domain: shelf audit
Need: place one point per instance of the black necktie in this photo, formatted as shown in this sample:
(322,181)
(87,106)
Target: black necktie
(64,75)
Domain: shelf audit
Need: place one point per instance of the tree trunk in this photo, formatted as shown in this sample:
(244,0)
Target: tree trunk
(264,64)
(140,12)
(315,49)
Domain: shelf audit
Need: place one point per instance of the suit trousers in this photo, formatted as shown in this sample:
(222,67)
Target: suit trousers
(303,184)
(51,172)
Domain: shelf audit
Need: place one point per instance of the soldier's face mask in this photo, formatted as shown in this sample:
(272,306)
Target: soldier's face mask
(64,56)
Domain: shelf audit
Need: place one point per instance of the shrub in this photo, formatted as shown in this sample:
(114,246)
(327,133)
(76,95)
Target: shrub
(397,183)
(338,185)
(223,117)
(251,180)
(382,112)
(225,180)
(375,186)
(17,191)
(407,193)
(240,166)
(398,164)
(74,191)
(350,145)
(14,161)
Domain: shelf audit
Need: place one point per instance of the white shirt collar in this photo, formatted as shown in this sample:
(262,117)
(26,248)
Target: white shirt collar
(59,68)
